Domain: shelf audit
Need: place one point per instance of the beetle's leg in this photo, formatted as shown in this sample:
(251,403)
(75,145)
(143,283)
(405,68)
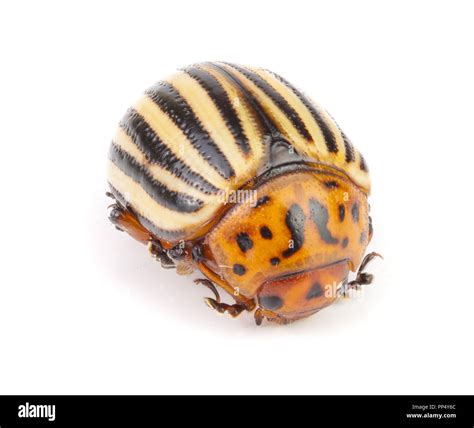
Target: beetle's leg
(209,284)
(126,221)
(221,307)
(160,254)
(363,278)
(260,314)
(234,310)
(216,304)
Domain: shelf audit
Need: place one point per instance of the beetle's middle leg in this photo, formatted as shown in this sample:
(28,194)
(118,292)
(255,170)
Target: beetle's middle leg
(215,303)
(242,303)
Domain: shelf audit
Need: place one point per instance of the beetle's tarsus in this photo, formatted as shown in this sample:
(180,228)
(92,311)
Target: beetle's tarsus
(233,310)
(363,278)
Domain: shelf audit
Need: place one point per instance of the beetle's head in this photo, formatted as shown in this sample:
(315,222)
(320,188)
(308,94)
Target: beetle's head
(293,245)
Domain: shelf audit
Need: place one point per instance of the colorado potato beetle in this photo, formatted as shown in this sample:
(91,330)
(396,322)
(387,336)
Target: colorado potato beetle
(233,171)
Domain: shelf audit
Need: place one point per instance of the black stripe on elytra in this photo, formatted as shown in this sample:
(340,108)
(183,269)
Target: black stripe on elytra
(349,148)
(170,199)
(269,129)
(329,137)
(170,235)
(221,100)
(294,220)
(166,96)
(320,216)
(363,164)
(276,97)
(148,142)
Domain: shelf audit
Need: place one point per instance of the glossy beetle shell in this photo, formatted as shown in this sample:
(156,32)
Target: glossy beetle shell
(195,144)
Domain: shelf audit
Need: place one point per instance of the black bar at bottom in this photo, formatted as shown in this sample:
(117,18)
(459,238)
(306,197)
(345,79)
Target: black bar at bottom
(320,411)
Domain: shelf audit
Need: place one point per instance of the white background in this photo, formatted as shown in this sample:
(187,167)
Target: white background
(83,309)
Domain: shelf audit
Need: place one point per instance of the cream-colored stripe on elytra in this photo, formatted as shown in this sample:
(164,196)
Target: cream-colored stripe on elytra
(280,118)
(250,125)
(362,178)
(178,143)
(341,154)
(146,206)
(210,118)
(319,148)
(122,140)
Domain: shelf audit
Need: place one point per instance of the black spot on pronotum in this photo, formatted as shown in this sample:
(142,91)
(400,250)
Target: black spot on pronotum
(271,303)
(244,242)
(266,232)
(320,216)
(262,201)
(315,291)
(239,269)
(342,212)
(345,242)
(355,212)
(295,222)
(331,184)
(363,236)
(275,261)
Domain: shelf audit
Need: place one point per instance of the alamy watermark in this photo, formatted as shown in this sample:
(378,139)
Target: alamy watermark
(45,411)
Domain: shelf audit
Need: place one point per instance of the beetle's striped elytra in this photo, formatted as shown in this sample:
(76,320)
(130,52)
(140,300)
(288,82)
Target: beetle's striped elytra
(235,172)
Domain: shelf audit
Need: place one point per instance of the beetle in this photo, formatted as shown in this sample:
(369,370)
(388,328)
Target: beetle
(233,171)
